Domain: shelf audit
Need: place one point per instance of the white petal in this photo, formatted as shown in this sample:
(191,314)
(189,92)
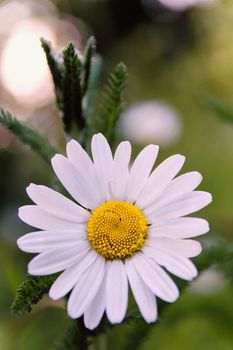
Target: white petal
(67,279)
(176,189)
(145,299)
(80,159)
(189,204)
(83,191)
(83,163)
(37,217)
(155,277)
(95,310)
(180,228)
(121,170)
(159,180)
(103,161)
(86,288)
(40,241)
(178,265)
(57,204)
(116,291)
(185,247)
(140,172)
(56,260)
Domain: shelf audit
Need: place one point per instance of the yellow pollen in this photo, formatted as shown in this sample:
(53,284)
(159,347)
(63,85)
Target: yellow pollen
(117,230)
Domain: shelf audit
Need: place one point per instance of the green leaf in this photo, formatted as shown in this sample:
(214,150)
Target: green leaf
(111,104)
(28,136)
(92,67)
(72,91)
(31,292)
(89,100)
(89,53)
(55,71)
(225,112)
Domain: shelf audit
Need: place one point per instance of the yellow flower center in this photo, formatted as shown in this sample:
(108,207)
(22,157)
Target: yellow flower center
(117,230)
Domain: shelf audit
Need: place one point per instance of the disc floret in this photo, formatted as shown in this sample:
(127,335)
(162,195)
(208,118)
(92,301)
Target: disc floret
(117,230)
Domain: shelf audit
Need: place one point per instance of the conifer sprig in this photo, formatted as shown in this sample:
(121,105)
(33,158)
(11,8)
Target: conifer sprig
(72,90)
(76,79)
(89,53)
(28,136)
(56,71)
(71,77)
(89,98)
(112,104)
(30,292)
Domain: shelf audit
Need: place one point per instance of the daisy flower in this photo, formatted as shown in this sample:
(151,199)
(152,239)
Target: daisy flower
(125,228)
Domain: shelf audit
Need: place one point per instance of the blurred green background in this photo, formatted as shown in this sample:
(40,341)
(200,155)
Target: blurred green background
(180,58)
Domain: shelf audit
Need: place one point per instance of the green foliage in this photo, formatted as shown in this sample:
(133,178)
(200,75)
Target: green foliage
(111,104)
(76,82)
(28,136)
(225,112)
(31,292)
